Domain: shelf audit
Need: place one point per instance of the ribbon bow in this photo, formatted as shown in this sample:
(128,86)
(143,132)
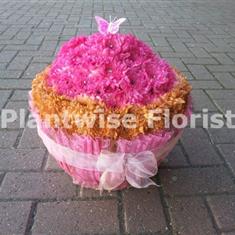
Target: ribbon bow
(135,169)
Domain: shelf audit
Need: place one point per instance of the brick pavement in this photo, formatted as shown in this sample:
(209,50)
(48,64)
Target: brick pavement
(197,193)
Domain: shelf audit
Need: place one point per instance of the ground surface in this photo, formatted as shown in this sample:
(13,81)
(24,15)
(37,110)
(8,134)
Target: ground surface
(197,193)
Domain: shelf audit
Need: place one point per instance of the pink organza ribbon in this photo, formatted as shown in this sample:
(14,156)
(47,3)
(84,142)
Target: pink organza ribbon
(136,169)
(116,168)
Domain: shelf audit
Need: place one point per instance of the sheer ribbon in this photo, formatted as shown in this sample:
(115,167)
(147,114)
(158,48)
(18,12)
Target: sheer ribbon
(115,168)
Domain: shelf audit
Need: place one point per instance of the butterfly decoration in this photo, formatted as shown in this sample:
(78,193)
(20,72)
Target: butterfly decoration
(106,27)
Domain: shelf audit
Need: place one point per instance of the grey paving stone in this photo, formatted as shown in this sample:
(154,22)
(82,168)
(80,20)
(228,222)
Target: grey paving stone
(8,138)
(222,136)
(226,79)
(82,217)
(228,233)
(200,72)
(9,33)
(44,24)
(3,66)
(223,58)
(159,49)
(7,56)
(48,46)
(191,181)
(176,54)
(21,159)
(182,34)
(199,37)
(195,139)
(232,55)
(20,109)
(221,68)
(226,105)
(33,69)
(36,53)
(200,52)
(15,84)
(19,95)
(222,208)
(69,31)
(19,63)
(43,59)
(199,60)
(175,159)
(178,46)
(228,152)
(202,101)
(37,185)
(222,94)
(30,139)
(86,193)
(35,40)
(189,215)
(218,49)
(177,63)
(4,97)
(205,84)
(14,74)
(139,207)
(51,164)
(21,47)
(159,41)
(22,35)
(14,217)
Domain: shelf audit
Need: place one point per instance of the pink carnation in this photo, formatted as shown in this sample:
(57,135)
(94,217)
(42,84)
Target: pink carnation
(117,69)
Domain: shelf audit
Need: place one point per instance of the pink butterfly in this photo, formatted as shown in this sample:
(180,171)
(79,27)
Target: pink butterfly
(106,27)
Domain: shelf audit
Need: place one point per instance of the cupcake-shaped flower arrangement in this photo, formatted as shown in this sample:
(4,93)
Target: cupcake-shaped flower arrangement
(100,108)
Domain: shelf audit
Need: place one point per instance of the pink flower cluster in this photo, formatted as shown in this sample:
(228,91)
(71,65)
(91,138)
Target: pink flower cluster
(118,69)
